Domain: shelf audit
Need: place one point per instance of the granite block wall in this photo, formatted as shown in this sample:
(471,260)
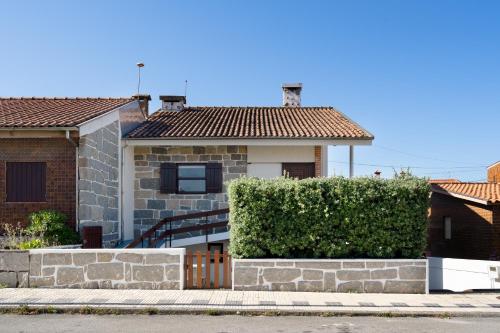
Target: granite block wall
(357,275)
(150,205)
(107,268)
(14,268)
(98,166)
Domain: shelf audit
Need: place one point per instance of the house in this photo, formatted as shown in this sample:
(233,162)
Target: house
(107,162)
(464,220)
(179,160)
(494,173)
(65,154)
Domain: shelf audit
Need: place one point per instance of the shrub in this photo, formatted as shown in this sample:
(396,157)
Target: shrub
(51,227)
(328,217)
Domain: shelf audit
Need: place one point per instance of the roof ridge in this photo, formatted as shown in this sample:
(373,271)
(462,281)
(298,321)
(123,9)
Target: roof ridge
(61,98)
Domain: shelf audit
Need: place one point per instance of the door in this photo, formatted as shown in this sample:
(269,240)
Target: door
(298,170)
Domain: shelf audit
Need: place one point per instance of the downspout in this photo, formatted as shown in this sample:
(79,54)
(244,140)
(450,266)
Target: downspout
(77,221)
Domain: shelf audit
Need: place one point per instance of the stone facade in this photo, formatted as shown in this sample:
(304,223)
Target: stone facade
(331,275)
(14,268)
(107,269)
(98,166)
(150,205)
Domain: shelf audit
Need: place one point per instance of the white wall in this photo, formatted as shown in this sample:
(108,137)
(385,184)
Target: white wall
(463,274)
(264,170)
(280,154)
(265,161)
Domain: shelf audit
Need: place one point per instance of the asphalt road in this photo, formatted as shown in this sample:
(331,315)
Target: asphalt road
(207,324)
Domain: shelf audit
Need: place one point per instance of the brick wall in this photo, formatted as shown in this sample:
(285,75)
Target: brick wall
(473,233)
(150,205)
(494,174)
(59,154)
(317,161)
(99,181)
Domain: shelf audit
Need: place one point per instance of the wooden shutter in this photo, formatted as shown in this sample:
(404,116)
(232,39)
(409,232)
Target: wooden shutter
(26,181)
(214,177)
(168,178)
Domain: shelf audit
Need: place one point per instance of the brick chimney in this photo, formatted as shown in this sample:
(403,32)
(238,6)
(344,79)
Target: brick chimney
(172,103)
(291,94)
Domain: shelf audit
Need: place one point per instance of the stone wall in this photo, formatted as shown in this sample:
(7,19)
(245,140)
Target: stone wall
(358,275)
(150,205)
(107,268)
(98,166)
(14,268)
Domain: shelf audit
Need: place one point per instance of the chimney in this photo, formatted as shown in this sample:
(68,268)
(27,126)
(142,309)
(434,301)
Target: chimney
(172,103)
(377,173)
(291,94)
(143,102)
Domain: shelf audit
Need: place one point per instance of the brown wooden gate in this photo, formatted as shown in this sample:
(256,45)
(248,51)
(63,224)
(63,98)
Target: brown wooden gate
(208,270)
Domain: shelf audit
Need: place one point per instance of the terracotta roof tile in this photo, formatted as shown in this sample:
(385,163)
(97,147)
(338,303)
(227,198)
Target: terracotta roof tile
(443,181)
(250,122)
(489,192)
(34,112)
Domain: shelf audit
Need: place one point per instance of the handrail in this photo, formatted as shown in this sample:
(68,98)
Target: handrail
(187,229)
(151,231)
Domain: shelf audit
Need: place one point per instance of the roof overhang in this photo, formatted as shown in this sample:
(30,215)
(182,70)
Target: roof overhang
(463,197)
(246,142)
(35,132)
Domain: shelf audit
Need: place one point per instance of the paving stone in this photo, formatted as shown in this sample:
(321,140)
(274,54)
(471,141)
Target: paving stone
(267,302)
(132,301)
(398,304)
(334,304)
(199,301)
(367,304)
(98,300)
(165,301)
(300,303)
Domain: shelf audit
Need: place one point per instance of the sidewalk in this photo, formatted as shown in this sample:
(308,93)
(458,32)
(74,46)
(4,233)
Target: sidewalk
(226,301)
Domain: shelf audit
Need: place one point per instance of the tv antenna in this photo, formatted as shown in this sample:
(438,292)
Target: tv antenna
(139,66)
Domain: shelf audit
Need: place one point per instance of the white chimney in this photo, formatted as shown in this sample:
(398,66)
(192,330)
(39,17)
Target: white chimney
(172,103)
(291,94)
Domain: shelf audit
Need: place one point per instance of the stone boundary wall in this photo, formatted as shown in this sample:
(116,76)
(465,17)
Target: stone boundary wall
(14,268)
(332,275)
(93,268)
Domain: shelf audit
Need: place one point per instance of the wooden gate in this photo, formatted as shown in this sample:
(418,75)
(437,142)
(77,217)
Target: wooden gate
(208,270)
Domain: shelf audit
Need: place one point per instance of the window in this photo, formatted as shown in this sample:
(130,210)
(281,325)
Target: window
(191,178)
(447,227)
(25,181)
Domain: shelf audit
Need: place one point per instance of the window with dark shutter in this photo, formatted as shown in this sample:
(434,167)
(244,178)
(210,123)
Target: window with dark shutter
(26,181)
(168,178)
(214,178)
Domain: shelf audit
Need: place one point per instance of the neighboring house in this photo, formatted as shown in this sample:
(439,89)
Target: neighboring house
(180,159)
(465,220)
(64,154)
(494,173)
(104,161)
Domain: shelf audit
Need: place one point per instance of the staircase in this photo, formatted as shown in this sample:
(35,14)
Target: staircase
(161,234)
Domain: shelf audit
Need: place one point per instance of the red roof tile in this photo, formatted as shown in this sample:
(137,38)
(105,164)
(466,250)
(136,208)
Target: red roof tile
(488,192)
(443,181)
(250,122)
(33,112)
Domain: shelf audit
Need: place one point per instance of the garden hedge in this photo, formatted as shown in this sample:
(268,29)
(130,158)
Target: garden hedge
(328,217)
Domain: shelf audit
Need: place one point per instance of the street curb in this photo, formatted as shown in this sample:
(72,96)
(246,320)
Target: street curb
(34,309)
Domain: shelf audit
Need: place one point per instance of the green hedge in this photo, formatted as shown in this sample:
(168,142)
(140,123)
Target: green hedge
(328,217)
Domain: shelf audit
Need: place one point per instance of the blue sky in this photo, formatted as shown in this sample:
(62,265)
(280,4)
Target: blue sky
(422,76)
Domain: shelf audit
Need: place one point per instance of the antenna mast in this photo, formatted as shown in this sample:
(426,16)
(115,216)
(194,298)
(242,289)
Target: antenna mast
(139,66)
